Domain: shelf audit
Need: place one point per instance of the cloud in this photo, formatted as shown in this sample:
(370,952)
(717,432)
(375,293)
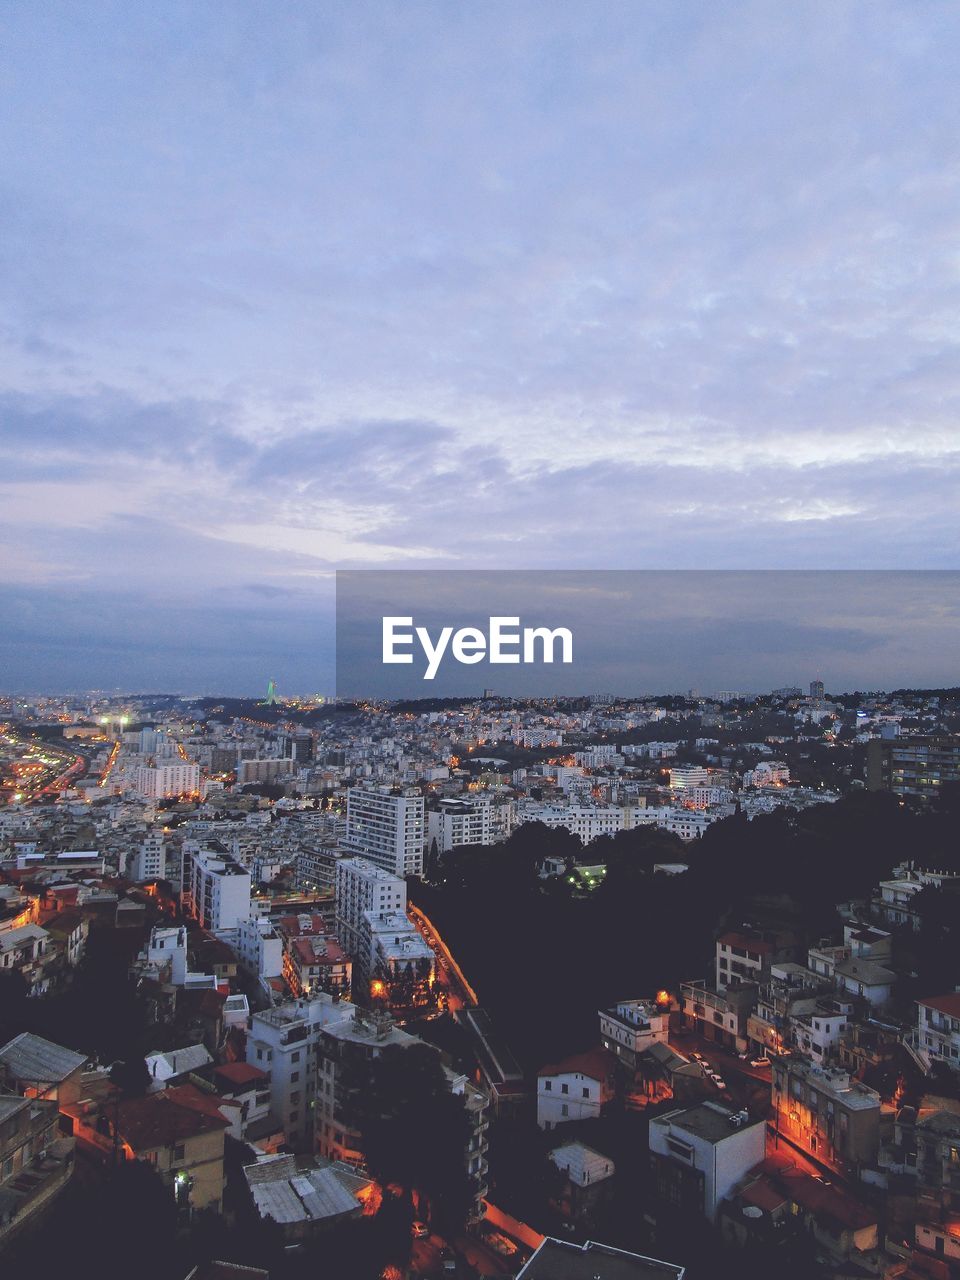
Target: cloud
(511,285)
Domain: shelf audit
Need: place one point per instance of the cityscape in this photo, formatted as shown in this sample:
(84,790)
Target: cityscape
(622,987)
(479,601)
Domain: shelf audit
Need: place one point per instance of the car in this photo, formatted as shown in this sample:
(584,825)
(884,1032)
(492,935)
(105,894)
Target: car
(448,1263)
(419,1230)
(502,1244)
(718,1080)
(760,1062)
(744,1056)
(697,1057)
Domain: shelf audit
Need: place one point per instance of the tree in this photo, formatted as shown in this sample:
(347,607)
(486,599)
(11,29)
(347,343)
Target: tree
(413,1131)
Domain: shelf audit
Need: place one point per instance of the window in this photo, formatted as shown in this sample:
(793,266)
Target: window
(586,1093)
(564,1088)
(564,1110)
(294,1077)
(179,1151)
(548,1086)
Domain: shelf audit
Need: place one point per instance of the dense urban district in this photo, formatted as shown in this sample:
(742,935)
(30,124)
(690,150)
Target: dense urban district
(572,989)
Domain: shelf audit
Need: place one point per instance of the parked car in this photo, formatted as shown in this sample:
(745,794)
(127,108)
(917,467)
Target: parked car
(697,1057)
(760,1062)
(419,1230)
(502,1244)
(718,1080)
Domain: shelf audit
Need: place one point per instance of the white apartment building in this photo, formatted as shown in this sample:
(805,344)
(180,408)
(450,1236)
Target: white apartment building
(160,781)
(259,948)
(587,821)
(283,1041)
(817,1034)
(387,827)
(685,776)
(215,888)
(701,1153)
(769,773)
(362,887)
(631,1027)
(938,1029)
(149,862)
(459,822)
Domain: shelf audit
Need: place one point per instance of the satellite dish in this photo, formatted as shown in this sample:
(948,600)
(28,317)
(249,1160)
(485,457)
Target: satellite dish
(752,1211)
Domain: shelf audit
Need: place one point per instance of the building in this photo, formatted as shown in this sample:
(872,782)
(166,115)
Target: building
(825,1112)
(588,1178)
(576,1088)
(259,948)
(247,1088)
(362,886)
(306,1194)
(722,1016)
(315,962)
(176,1064)
(180,1132)
(458,822)
(913,766)
(387,827)
(742,957)
(699,1154)
(631,1027)
(149,861)
(937,1038)
(283,1041)
(37,1068)
(355,1040)
(399,958)
(36,1161)
(165,781)
(264,771)
(556,1259)
(216,889)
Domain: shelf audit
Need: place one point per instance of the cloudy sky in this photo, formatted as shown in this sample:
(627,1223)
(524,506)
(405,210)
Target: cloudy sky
(292,287)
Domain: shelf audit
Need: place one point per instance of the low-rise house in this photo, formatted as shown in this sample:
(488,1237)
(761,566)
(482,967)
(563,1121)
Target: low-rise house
(631,1027)
(27,950)
(575,1089)
(699,1154)
(180,1132)
(307,1194)
(36,1161)
(247,1088)
(781,1200)
(38,1068)
(825,1112)
(588,1178)
(174,1065)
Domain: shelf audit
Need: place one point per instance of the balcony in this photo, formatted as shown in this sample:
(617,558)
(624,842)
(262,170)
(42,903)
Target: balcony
(34,1185)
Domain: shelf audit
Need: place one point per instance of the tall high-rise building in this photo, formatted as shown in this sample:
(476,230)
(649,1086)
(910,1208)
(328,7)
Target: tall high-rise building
(361,886)
(816,690)
(157,782)
(388,827)
(215,888)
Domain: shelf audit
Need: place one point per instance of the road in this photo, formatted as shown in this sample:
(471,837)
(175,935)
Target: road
(449,974)
(426,1257)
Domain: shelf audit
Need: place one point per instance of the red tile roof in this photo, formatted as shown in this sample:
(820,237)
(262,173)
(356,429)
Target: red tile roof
(239,1073)
(165,1119)
(598,1064)
(949,1004)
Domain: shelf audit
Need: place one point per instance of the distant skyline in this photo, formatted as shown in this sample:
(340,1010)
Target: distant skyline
(286,289)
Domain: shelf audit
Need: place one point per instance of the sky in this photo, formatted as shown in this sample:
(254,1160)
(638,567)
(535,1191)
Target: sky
(287,288)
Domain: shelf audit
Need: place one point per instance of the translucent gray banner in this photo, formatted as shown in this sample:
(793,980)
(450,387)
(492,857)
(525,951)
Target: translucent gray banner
(453,633)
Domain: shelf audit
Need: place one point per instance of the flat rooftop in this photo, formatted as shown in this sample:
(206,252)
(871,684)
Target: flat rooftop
(710,1121)
(560,1260)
